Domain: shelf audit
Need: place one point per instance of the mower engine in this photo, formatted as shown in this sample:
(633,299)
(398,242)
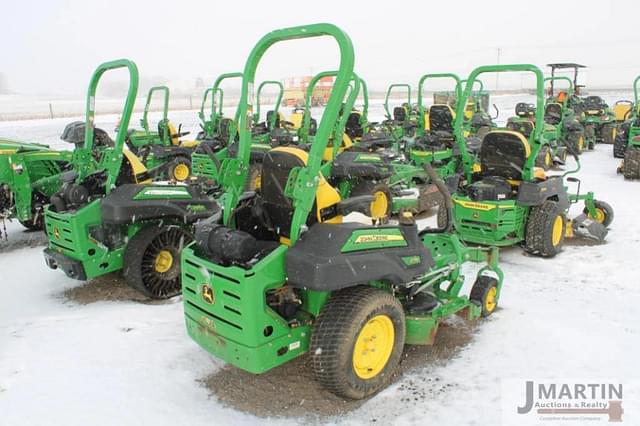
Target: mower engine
(490,188)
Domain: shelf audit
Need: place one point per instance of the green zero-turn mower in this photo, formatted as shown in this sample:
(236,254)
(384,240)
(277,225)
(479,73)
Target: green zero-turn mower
(209,123)
(162,147)
(403,120)
(207,157)
(510,201)
(282,276)
(477,120)
(357,167)
(627,145)
(96,226)
(29,175)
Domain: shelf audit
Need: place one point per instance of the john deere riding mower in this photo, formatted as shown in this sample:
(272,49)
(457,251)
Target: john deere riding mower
(162,146)
(224,136)
(627,143)
(98,225)
(402,122)
(510,201)
(477,120)
(29,175)
(209,123)
(283,276)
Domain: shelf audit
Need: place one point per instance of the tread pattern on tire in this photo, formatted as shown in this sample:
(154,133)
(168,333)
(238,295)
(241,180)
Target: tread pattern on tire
(339,321)
(133,255)
(619,146)
(538,229)
(631,167)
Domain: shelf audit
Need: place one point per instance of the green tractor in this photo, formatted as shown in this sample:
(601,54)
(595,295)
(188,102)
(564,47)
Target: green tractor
(97,223)
(270,284)
(29,176)
(599,121)
(162,147)
(509,201)
(561,124)
(627,144)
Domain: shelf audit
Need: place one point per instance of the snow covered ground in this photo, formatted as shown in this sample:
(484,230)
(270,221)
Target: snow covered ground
(64,361)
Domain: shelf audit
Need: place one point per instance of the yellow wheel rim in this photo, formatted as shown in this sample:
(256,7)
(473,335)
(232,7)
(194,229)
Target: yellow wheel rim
(556,234)
(580,143)
(373,347)
(257,181)
(614,132)
(490,301)
(547,159)
(600,215)
(379,205)
(181,172)
(163,262)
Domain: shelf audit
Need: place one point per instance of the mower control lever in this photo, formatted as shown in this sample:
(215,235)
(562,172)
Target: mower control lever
(361,204)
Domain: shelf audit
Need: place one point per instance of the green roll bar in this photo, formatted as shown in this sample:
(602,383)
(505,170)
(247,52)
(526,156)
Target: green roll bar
(304,181)
(389,90)
(111,160)
(256,115)
(425,77)
(205,96)
(553,79)
(536,135)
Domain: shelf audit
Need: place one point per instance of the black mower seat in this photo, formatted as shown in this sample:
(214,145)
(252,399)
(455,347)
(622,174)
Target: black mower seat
(353,128)
(504,154)
(133,203)
(553,113)
(441,118)
(399,114)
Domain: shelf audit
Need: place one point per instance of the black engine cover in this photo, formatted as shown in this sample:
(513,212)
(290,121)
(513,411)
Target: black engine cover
(490,189)
(317,262)
(121,207)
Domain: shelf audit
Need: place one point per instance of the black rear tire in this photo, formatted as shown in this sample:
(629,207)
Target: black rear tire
(338,328)
(619,145)
(544,234)
(144,268)
(544,158)
(631,164)
(608,133)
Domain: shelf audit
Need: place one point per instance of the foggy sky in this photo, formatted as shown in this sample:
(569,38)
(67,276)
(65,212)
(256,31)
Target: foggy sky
(53,46)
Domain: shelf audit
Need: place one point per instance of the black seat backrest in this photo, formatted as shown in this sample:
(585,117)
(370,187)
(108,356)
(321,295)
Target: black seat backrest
(269,118)
(276,166)
(225,127)
(503,154)
(353,128)
(399,114)
(525,127)
(553,113)
(440,118)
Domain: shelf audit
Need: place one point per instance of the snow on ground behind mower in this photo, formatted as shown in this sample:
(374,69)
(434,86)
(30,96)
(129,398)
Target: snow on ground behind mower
(124,362)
